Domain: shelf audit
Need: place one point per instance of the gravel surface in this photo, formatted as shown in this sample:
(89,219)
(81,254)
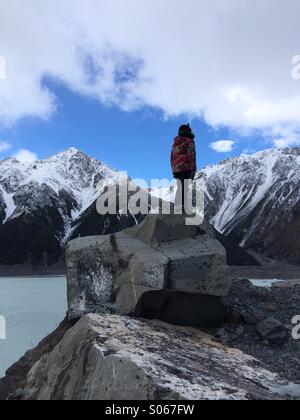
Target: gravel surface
(253,311)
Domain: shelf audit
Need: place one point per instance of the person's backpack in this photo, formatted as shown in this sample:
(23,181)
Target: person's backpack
(183,157)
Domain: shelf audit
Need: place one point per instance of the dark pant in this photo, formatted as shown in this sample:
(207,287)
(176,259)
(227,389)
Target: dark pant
(181,199)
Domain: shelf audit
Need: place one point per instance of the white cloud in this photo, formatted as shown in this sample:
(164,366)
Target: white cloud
(4,147)
(2,67)
(25,156)
(228,61)
(223,146)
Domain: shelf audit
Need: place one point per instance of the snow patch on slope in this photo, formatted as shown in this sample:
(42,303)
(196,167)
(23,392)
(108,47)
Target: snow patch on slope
(238,186)
(9,204)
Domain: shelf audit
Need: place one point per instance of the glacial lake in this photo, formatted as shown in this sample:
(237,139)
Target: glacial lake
(32,308)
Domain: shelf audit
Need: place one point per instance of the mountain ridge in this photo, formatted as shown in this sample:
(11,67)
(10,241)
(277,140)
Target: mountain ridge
(40,201)
(255,200)
(252,199)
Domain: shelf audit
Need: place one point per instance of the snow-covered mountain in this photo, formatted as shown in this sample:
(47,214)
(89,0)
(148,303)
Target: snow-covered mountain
(255,199)
(41,204)
(71,172)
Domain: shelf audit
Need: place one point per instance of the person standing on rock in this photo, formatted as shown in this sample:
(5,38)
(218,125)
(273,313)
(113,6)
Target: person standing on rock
(184,166)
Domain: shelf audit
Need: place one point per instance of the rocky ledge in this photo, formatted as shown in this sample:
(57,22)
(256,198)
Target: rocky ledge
(160,269)
(106,357)
(133,300)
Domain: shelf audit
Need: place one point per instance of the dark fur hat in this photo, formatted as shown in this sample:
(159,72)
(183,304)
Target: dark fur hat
(186,131)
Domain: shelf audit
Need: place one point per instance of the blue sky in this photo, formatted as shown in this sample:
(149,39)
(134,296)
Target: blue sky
(116,78)
(136,141)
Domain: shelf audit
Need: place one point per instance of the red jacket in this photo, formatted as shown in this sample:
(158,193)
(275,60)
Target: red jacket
(183,157)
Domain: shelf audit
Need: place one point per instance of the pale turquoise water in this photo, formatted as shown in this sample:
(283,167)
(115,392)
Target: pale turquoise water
(33,307)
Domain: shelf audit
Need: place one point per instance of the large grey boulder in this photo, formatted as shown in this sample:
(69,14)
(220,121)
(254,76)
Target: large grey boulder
(156,229)
(113,272)
(272,331)
(118,358)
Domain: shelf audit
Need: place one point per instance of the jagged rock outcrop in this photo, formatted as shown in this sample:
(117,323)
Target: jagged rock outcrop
(114,272)
(16,375)
(105,357)
(114,357)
